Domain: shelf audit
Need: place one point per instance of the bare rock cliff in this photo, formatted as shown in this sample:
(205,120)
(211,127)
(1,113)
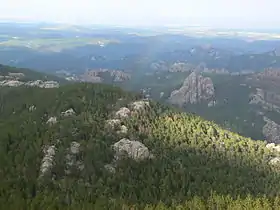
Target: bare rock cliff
(195,89)
(271,131)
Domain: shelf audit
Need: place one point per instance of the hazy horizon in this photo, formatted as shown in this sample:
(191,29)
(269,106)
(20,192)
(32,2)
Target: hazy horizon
(249,14)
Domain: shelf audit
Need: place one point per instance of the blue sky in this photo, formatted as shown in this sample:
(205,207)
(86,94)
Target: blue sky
(213,13)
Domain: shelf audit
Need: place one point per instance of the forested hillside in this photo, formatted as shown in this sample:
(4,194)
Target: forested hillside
(27,74)
(93,146)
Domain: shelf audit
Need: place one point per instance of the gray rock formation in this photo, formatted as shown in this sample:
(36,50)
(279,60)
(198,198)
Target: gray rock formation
(75,148)
(195,89)
(273,148)
(68,113)
(113,123)
(11,83)
(48,160)
(212,103)
(131,149)
(52,120)
(140,105)
(123,130)
(123,113)
(96,76)
(274,161)
(271,131)
(71,158)
(258,98)
(16,75)
(181,67)
(120,76)
(159,66)
(37,83)
(32,108)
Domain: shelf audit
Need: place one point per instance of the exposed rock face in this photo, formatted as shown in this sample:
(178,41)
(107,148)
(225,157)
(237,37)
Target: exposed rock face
(91,76)
(260,98)
(123,113)
(140,105)
(75,147)
(123,129)
(159,66)
(195,89)
(272,147)
(269,95)
(37,83)
(71,158)
(271,131)
(132,149)
(32,108)
(52,120)
(16,75)
(11,83)
(120,76)
(113,123)
(211,103)
(97,76)
(181,67)
(274,161)
(47,162)
(68,113)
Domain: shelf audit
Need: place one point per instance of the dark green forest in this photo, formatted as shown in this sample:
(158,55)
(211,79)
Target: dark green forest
(196,164)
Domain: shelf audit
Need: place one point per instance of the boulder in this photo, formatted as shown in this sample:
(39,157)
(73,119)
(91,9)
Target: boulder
(68,113)
(123,113)
(32,108)
(131,149)
(271,131)
(75,147)
(123,130)
(274,161)
(52,120)
(48,159)
(113,123)
(140,105)
(272,147)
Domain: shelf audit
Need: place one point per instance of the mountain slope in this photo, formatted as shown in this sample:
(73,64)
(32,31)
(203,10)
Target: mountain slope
(92,146)
(26,74)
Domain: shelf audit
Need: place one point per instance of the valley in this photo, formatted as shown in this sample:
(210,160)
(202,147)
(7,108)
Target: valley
(235,85)
(115,118)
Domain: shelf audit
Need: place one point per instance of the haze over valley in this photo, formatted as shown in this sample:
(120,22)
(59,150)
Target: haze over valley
(175,67)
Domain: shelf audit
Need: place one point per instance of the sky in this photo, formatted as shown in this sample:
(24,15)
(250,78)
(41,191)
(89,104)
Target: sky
(210,13)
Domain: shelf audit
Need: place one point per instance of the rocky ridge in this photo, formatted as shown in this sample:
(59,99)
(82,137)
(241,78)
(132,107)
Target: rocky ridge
(195,89)
(126,148)
(271,131)
(37,83)
(267,86)
(96,76)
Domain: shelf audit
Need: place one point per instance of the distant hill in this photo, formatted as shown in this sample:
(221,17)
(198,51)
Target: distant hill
(94,146)
(239,102)
(27,74)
